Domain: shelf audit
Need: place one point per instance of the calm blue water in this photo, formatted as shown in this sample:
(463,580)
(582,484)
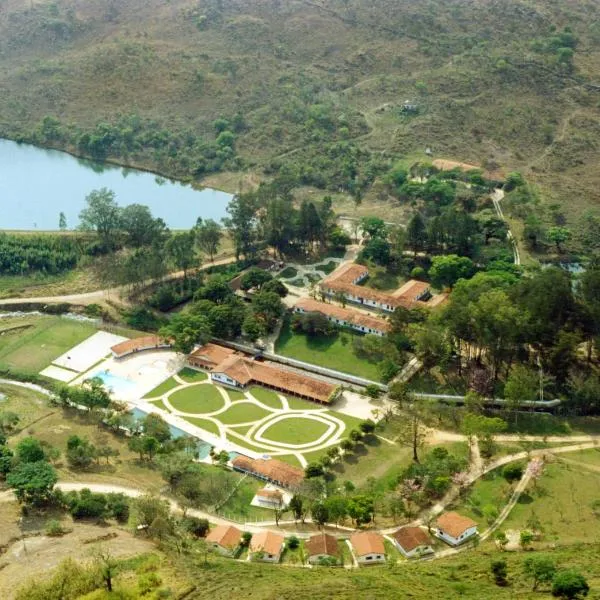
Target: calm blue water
(42,183)
(115,383)
(203,448)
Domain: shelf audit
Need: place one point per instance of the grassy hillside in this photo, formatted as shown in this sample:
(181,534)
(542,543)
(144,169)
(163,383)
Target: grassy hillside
(496,83)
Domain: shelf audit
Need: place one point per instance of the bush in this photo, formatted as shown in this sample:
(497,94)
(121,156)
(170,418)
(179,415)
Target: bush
(93,310)
(498,568)
(570,585)
(246,537)
(54,528)
(293,542)
(196,526)
(418,273)
(512,472)
(148,582)
(373,391)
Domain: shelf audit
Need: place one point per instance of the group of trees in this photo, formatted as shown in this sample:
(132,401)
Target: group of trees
(181,154)
(268,216)
(217,312)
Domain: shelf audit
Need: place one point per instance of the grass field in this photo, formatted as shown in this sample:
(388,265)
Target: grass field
(562,506)
(201,398)
(295,431)
(333,352)
(35,348)
(238,505)
(163,388)
(234,395)
(267,397)
(242,412)
(203,424)
(192,376)
(29,405)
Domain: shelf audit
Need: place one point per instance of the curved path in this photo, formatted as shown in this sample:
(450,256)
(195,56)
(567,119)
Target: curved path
(100,295)
(254,435)
(497,196)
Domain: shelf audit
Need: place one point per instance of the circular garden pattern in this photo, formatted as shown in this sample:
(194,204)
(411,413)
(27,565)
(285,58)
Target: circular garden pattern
(295,431)
(198,399)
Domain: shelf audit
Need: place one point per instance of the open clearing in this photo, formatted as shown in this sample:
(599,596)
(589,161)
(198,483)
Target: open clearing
(333,352)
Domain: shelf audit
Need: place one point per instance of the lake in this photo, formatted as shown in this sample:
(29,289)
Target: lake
(37,184)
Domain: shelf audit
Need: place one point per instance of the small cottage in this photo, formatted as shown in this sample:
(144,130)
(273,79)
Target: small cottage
(412,542)
(224,539)
(368,547)
(321,546)
(266,546)
(454,529)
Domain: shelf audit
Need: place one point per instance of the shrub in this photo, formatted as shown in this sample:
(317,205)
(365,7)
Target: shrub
(293,542)
(246,537)
(54,528)
(373,391)
(512,472)
(148,582)
(498,568)
(570,585)
(196,526)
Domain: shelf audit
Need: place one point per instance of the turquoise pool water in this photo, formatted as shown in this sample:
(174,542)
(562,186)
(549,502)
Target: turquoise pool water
(116,384)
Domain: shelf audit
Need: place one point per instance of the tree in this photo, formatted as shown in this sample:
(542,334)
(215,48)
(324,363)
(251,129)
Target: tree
(541,569)
(253,328)
(180,248)
(62,221)
(242,223)
(296,505)
(275,286)
(8,421)
(522,385)
(185,330)
(319,513)
(373,227)
(107,567)
(154,425)
(33,482)
(512,472)
(208,236)
(268,308)
(413,429)
(337,507)
(361,508)
(569,584)
(499,571)
(146,509)
(255,278)
(446,270)
(525,538)
(80,452)
(141,227)
(313,470)
(484,428)
(30,450)
(559,235)
(102,214)
(416,233)
(378,250)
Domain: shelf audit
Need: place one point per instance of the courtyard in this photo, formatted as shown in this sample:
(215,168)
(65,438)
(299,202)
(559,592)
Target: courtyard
(257,420)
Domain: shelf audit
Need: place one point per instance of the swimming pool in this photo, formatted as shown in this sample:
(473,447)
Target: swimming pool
(114,383)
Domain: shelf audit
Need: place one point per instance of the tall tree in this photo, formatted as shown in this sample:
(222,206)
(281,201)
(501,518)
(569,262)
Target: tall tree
(141,227)
(208,236)
(180,248)
(101,214)
(242,223)
(416,233)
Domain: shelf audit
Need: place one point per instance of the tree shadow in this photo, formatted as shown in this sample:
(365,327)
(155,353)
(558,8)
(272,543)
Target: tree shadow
(525,498)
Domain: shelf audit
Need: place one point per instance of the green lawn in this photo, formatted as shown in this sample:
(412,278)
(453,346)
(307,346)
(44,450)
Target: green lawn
(238,505)
(197,399)
(300,404)
(562,505)
(328,267)
(160,404)
(235,395)
(191,375)
(333,352)
(28,404)
(35,348)
(288,273)
(295,430)
(242,412)
(290,459)
(163,388)
(204,424)
(589,457)
(484,500)
(244,444)
(267,397)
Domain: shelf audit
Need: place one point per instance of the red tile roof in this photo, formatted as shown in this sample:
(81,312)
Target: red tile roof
(271,469)
(349,315)
(148,342)
(411,537)
(412,290)
(454,524)
(321,543)
(226,536)
(367,542)
(347,273)
(211,354)
(267,541)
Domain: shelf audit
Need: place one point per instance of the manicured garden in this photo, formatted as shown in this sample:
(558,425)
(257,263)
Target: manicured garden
(162,389)
(296,430)
(192,375)
(267,397)
(198,398)
(242,412)
(333,352)
(204,424)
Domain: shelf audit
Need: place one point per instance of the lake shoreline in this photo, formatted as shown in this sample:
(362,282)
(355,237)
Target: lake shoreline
(75,153)
(42,178)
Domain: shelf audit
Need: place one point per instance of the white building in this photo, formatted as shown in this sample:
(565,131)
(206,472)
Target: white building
(454,529)
(412,542)
(368,547)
